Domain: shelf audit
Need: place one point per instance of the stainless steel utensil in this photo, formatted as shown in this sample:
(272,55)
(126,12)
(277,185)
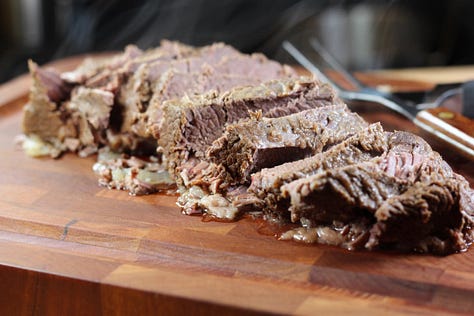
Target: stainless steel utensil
(454,128)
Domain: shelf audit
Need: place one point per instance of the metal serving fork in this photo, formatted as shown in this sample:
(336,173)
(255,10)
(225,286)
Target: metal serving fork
(453,128)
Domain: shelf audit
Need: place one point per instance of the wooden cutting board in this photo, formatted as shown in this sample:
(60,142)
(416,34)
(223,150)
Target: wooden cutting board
(68,246)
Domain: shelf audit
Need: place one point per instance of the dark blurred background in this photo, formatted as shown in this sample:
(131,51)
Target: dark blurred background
(361,34)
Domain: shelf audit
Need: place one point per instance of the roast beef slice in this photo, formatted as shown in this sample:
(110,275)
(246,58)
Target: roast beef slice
(367,184)
(95,66)
(217,67)
(256,143)
(191,124)
(132,78)
(427,217)
(44,122)
(363,146)
(408,198)
(173,85)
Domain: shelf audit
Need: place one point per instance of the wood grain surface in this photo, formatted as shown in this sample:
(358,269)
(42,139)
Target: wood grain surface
(70,247)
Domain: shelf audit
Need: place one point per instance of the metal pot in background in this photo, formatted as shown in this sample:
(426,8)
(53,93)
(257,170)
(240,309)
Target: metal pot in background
(373,35)
(362,34)
(26,29)
(22,23)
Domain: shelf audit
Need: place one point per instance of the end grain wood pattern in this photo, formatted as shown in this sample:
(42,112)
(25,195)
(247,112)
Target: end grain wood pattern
(68,246)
